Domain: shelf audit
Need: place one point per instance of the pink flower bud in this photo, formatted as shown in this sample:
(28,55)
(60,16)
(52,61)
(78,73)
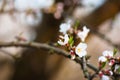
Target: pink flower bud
(100,73)
(111,62)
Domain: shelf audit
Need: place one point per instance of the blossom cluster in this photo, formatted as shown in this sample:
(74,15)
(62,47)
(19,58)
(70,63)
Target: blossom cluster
(109,65)
(68,40)
(109,61)
(23,5)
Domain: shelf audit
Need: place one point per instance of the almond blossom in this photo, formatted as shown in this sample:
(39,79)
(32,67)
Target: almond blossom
(83,34)
(64,27)
(23,5)
(64,40)
(104,77)
(102,59)
(81,49)
(108,54)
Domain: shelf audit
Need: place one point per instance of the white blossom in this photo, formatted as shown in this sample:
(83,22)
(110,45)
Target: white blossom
(29,19)
(81,49)
(108,53)
(102,59)
(65,40)
(45,3)
(64,27)
(83,34)
(104,77)
(23,5)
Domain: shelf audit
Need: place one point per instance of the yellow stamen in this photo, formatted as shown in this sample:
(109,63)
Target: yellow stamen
(79,50)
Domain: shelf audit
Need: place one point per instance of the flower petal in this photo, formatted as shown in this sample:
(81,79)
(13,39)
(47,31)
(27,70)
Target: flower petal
(104,77)
(64,27)
(108,53)
(66,39)
(82,54)
(81,49)
(83,46)
(83,34)
(102,59)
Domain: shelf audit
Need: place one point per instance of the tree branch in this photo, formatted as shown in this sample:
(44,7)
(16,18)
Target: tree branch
(45,47)
(84,68)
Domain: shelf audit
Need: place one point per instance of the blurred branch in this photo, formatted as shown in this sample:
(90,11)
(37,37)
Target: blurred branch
(102,36)
(45,47)
(109,9)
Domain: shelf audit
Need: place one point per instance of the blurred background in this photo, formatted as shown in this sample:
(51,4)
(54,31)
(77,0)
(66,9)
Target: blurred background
(39,20)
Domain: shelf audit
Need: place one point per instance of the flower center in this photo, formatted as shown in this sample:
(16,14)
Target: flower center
(79,50)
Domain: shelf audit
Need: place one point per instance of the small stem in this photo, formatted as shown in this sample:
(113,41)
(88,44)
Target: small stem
(84,68)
